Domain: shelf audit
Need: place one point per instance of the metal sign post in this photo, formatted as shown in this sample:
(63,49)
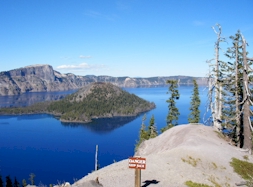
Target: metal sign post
(138,164)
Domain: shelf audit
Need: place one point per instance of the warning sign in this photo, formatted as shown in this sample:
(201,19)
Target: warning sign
(137,163)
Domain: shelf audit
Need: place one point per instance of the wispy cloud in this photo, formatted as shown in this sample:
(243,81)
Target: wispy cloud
(98,15)
(83,56)
(82,66)
(93,14)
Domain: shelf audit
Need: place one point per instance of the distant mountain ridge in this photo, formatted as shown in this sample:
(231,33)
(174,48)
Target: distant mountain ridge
(41,78)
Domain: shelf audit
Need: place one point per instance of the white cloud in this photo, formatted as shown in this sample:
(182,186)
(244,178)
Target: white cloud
(82,66)
(83,56)
(79,66)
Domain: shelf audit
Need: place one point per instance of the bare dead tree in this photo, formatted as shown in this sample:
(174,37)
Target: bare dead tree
(237,108)
(215,86)
(210,103)
(229,93)
(96,158)
(247,131)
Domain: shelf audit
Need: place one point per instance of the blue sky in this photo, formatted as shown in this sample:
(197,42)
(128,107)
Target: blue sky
(136,38)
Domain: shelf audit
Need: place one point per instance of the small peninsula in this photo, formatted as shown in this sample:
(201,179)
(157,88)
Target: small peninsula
(96,100)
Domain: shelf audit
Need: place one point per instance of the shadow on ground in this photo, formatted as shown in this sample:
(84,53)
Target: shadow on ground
(148,182)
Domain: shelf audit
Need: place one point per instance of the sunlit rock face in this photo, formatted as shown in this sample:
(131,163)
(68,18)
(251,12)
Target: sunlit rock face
(37,78)
(41,78)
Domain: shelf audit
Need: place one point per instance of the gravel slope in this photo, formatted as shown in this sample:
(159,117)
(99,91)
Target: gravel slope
(185,152)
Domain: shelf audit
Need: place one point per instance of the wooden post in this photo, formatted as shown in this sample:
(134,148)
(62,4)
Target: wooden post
(138,164)
(137,177)
(96,158)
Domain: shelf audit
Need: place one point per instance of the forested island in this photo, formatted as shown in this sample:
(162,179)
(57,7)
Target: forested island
(96,100)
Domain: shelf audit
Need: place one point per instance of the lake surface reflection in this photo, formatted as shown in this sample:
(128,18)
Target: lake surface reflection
(103,125)
(56,151)
(27,99)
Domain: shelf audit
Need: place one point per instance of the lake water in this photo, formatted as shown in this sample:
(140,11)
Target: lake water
(57,152)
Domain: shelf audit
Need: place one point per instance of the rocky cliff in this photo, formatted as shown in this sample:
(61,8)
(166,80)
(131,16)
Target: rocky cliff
(40,78)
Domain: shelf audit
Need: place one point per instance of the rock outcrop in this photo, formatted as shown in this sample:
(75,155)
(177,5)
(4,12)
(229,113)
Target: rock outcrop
(183,153)
(37,78)
(41,78)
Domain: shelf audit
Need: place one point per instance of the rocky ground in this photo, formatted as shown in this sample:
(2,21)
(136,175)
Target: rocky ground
(183,153)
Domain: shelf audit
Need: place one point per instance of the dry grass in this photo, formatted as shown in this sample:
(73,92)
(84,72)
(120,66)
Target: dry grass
(194,184)
(246,157)
(213,180)
(220,135)
(191,161)
(242,168)
(214,165)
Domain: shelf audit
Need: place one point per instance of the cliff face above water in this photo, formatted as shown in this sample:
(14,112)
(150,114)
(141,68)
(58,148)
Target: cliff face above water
(41,78)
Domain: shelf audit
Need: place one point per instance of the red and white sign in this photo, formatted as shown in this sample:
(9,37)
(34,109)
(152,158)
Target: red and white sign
(137,163)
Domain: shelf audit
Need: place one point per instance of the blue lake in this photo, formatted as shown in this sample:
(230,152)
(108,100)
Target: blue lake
(57,152)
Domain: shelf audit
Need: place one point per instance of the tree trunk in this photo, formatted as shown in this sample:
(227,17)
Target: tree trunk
(238,108)
(96,158)
(247,141)
(218,87)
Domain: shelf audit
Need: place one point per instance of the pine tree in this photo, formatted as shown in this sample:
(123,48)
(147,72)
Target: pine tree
(24,184)
(233,94)
(16,183)
(236,111)
(152,132)
(8,182)
(1,181)
(173,113)
(143,134)
(233,89)
(194,116)
(32,176)
(143,131)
